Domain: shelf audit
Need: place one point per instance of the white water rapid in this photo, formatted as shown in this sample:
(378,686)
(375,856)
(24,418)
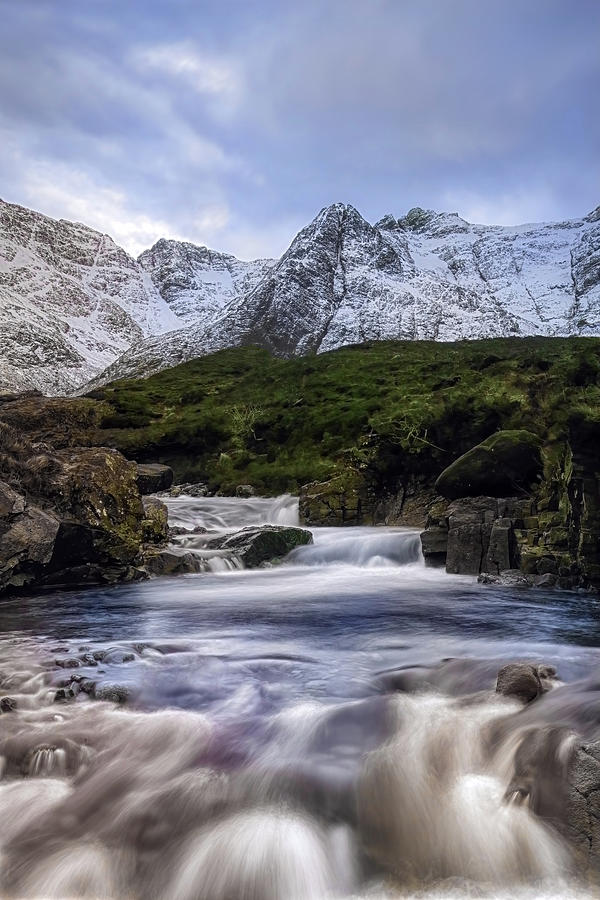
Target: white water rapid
(323,728)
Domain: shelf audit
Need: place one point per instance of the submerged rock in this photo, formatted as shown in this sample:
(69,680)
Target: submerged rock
(520,680)
(517,578)
(7,704)
(113,693)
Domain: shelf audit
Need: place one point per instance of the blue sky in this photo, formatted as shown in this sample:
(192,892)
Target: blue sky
(232,123)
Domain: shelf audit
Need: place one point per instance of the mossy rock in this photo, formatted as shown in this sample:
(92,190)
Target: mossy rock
(506,463)
(155,525)
(269,543)
(338,501)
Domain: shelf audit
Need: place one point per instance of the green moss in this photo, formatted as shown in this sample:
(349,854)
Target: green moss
(386,410)
(506,463)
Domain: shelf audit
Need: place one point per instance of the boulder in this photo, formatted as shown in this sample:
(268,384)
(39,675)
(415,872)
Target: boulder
(520,680)
(155,526)
(245,490)
(27,539)
(256,546)
(171,562)
(434,543)
(153,477)
(582,808)
(503,464)
(95,493)
(79,519)
(341,501)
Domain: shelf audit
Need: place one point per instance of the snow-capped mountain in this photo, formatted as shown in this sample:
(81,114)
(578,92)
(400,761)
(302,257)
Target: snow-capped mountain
(71,300)
(198,283)
(426,275)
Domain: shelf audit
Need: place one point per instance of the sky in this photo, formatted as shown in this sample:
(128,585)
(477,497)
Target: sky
(233,123)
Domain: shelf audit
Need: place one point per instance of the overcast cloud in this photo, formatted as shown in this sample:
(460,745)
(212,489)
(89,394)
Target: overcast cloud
(232,123)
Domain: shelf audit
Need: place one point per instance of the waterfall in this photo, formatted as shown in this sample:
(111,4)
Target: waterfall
(432,803)
(361,547)
(44,761)
(220,514)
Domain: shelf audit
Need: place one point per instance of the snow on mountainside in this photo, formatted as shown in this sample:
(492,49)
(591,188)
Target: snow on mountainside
(71,301)
(424,276)
(198,283)
(74,306)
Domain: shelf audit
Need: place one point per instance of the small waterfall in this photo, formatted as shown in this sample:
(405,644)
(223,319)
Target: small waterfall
(362,547)
(45,761)
(231,513)
(261,855)
(223,563)
(432,804)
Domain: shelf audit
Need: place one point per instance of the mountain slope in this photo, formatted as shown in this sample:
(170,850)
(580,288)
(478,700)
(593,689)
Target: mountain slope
(74,306)
(198,283)
(71,301)
(425,276)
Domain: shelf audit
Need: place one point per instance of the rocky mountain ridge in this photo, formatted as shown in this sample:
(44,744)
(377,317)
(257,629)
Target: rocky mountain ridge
(76,307)
(427,276)
(71,301)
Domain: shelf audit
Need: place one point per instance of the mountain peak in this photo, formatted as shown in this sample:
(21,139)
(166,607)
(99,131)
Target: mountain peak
(594,216)
(71,300)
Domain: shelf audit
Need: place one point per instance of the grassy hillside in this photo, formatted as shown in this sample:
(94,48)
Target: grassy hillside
(390,408)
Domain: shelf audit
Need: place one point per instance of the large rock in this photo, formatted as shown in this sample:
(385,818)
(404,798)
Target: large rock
(500,466)
(156,521)
(101,511)
(582,808)
(520,680)
(256,546)
(154,477)
(478,539)
(434,543)
(340,501)
(81,521)
(27,538)
(475,535)
(169,561)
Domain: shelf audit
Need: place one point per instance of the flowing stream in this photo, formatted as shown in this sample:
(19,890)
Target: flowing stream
(324,728)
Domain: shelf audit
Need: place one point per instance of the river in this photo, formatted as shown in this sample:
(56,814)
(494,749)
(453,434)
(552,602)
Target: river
(326,727)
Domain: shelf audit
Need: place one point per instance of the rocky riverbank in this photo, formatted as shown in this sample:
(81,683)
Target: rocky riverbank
(78,515)
(488,446)
(511,510)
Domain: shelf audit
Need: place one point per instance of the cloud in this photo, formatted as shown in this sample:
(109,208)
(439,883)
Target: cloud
(203,73)
(518,208)
(232,123)
(72,195)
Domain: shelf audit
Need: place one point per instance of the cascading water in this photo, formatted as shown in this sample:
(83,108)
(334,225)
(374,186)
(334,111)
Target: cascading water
(229,513)
(361,547)
(325,728)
